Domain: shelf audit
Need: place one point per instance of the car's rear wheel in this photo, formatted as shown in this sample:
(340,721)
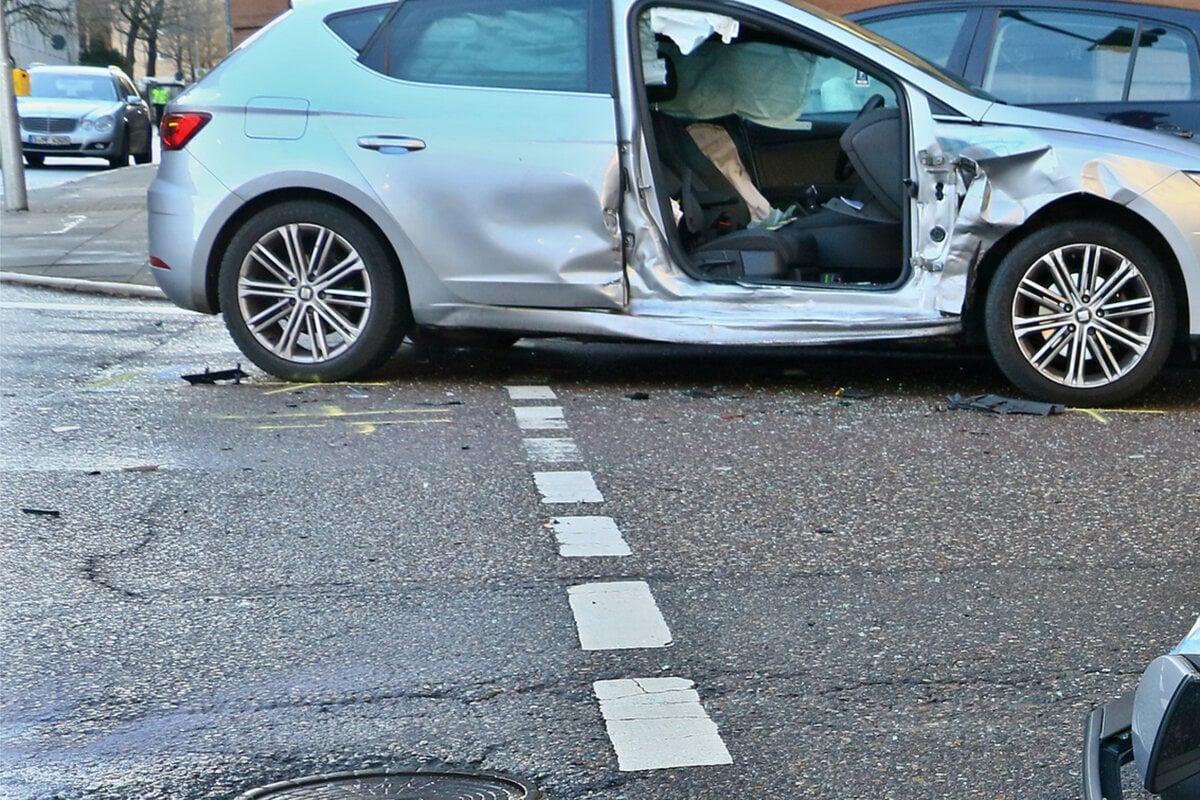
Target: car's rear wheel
(309,293)
(34,160)
(1080,313)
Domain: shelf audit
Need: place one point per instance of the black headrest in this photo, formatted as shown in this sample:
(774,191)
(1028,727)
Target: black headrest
(874,145)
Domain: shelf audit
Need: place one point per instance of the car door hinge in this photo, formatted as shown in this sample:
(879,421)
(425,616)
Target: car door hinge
(922,263)
(929,159)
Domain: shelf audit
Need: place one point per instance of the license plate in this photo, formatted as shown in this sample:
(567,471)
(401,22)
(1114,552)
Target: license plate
(52,140)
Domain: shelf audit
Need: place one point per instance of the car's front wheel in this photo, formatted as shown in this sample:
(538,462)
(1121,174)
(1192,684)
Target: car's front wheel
(1080,313)
(121,159)
(309,293)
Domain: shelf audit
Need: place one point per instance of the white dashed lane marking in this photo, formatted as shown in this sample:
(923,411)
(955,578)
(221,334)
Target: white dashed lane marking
(530,393)
(619,615)
(552,451)
(567,487)
(658,723)
(582,537)
(653,723)
(537,418)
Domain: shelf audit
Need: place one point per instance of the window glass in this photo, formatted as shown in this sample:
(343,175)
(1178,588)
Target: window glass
(1165,66)
(355,27)
(1059,57)
(72,86)
(520,44)
(838,87)
(931,36)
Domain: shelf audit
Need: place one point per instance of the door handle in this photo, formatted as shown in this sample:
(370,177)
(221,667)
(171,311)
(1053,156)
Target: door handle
(1167,127)
(381,143)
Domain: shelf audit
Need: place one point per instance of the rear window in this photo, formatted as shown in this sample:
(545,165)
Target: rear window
(517,44)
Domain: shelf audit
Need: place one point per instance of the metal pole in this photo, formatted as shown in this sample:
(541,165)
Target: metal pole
(15,197)
(228,27)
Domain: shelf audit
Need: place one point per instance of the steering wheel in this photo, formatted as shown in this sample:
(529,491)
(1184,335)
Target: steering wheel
(843,170)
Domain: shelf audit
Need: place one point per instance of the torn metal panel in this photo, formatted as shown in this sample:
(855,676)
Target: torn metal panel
(1006,175)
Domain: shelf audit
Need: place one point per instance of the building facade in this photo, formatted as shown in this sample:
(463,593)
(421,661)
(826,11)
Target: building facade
(247,16)
(55,40)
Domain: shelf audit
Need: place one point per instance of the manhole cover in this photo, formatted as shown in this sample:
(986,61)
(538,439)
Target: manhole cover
(388,785)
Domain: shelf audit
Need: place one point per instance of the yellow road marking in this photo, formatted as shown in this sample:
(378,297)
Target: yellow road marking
(1098,413)
(289,387)
(334,412)
(115,379)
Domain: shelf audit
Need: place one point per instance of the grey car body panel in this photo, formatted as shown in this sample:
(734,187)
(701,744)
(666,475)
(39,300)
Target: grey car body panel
(512,214)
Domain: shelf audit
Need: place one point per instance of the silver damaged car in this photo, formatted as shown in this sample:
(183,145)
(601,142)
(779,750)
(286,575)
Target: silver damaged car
(757,172)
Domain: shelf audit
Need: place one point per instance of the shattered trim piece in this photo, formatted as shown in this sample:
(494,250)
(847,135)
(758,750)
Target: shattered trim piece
(210,377)
(995,404)
(658,723)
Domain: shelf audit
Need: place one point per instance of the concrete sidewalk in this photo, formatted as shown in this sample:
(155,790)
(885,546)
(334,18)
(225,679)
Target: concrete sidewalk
(88,235)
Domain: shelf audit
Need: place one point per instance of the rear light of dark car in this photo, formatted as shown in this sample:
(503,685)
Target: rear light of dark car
(177,129)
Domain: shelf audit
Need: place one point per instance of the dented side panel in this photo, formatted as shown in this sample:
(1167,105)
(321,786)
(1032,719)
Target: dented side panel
(510,198)
(1007,174)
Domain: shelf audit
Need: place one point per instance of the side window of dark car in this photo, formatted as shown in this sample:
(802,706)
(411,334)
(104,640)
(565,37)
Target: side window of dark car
(931,36)
(510,44)
(1066,57)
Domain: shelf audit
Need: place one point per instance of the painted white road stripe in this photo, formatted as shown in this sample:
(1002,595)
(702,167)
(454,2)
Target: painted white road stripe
(533,418)
(618,615)
(531,393)
(552,451)
(581,537)
(658,723)
(567,487)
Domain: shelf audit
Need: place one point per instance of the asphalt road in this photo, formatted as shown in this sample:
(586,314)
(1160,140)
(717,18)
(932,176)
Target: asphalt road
(874,596)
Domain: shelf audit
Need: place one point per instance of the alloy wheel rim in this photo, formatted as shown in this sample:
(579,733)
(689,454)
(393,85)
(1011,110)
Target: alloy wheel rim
(1083,315)
(304,293)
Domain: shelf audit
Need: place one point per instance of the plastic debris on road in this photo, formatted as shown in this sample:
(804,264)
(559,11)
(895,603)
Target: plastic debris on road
(996,404)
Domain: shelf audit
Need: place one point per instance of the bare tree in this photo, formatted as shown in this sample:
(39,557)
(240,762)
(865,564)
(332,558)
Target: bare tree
(192,34)
(49,17)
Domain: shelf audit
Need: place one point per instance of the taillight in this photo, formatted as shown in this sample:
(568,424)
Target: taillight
(177,129)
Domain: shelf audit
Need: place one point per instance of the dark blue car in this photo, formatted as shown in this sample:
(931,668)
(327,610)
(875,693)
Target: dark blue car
(1130,63)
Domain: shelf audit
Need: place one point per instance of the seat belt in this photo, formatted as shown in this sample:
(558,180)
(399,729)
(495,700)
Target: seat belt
(717,146)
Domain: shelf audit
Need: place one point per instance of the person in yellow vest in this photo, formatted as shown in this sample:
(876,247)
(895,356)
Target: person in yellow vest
(159,97)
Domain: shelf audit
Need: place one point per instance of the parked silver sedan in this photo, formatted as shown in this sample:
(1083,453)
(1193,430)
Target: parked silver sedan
(722,173)
(84,112)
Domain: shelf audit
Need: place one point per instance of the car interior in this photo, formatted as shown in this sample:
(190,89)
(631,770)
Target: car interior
(777,163)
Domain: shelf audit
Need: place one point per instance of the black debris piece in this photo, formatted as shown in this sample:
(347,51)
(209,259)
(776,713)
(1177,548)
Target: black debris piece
(210,377)
(996,404)
(638,396)
(42,512)
(853,394)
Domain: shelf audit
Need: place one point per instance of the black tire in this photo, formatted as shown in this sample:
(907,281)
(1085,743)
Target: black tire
(291,322)
(35,159)
(146,156)
(121,159)
(1080,313)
